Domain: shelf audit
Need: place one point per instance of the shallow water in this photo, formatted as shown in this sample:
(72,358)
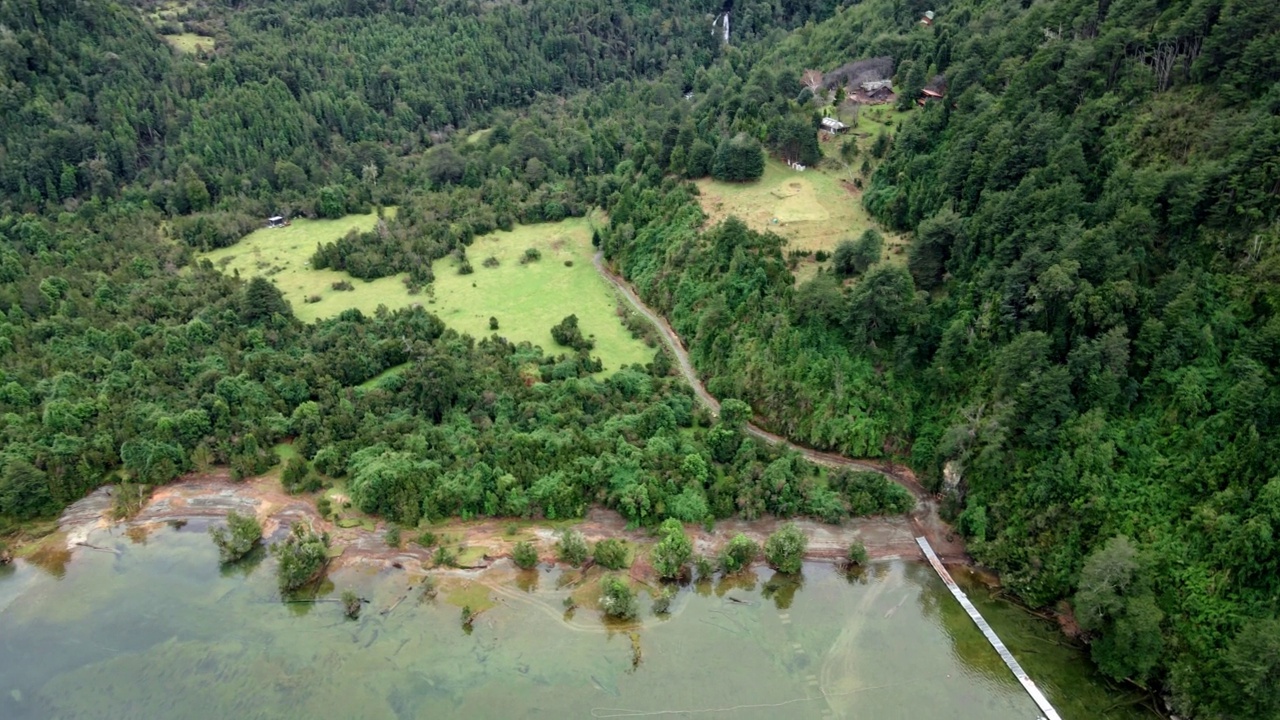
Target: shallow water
(158,630)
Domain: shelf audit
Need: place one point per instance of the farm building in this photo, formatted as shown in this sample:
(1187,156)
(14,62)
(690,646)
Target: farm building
(833,125)
(873,92)
(855,74)
(276,221)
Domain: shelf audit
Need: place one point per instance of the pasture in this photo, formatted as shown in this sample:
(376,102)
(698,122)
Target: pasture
(283,255)
(528,298)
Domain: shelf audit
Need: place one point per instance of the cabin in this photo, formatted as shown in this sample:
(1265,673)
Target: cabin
(927,19)
(873,92)
(935,90)
(276,221)
(833,125)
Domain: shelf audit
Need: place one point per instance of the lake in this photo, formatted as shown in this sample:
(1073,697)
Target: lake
(156,629)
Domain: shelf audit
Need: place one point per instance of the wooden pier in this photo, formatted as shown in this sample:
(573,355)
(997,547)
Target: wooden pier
(1027,683)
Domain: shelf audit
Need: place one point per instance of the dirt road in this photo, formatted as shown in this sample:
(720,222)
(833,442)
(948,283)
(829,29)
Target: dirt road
(924,518)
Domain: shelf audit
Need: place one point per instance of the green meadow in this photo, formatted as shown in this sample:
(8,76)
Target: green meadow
(527,299)
(283,255)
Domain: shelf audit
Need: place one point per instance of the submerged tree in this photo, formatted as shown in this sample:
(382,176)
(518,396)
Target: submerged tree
(617,598)
(785,549)
(239,536)
(673,551)
(301,557)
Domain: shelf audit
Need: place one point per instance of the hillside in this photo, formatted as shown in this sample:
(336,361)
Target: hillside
(1078,352)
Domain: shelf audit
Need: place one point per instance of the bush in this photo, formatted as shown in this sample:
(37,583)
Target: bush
(464,267)
(617,598)
(785,549)
(300,557)
(673,551)
(611,553)
(857,554)
(530,255)
(426,539)
(662,603)
(568,334)
(239,536)
(297,476)
(572,547)
(493,323)
(444,557)
(392,536)
(491,262)
(525,555)
(343,286)
(738,554)
(351,604)
(324,506)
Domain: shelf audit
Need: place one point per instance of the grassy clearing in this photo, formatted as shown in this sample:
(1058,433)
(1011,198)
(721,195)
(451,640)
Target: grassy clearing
(190,42)
(812,210)
(527,299)
(479,136)
(284,256)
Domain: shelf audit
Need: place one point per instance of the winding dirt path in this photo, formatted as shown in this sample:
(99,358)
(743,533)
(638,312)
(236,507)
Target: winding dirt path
(924,518)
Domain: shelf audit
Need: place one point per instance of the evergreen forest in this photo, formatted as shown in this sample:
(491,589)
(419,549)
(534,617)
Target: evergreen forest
(1078,350)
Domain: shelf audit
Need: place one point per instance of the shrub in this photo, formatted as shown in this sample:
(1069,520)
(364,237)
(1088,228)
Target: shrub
(530,255)
(568,334)
(662,603)
(572,547)
(611,553)
(785,549)
(617,598)
(444,557)
(525,555)
(239,536)
(297,476)
(491,262)
(703,565)
(392,536)
(343,286)
(857,554)
(493,323)
(324,506)
(738,554)
(464,267)
(300,557)
(351,604)
(426,539)
(673,551)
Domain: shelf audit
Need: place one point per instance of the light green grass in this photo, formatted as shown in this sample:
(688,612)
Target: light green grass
(528,299)
(190,42)
(478,136)
(813,210)
(283,255)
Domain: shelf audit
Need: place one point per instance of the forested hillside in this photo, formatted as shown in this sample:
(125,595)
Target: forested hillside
(1079,351)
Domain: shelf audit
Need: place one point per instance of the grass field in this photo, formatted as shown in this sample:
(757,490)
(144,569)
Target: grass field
(284,256)
(528,299)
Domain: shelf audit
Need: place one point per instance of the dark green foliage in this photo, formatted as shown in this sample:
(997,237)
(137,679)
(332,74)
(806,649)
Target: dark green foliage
(572,548)
(493,323)
(297,476)
(1116,602)
(525,555)
(238,538)
(854,257)
(738,160)
(870,493)
(738,554)
(300,557)
(262,300)
(568,334)
(24,491)
(392,537)
(673,551)
(611,554)
(785,549)
(617,599)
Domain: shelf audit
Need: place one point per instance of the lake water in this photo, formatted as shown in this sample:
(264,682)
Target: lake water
(158,630)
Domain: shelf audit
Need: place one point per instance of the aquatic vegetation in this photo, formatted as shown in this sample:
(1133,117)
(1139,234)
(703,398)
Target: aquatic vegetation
(672,553)
(525,555)
(300,557)
(572,547)
(738,554)
(617,599)
(611,553)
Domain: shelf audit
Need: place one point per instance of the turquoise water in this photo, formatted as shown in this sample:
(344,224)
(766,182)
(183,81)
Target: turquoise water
(158,630)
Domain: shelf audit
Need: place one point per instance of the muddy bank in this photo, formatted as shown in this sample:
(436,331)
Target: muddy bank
(207,498)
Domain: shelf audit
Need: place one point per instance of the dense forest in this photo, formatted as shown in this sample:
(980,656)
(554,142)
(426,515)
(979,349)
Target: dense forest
(1079,352)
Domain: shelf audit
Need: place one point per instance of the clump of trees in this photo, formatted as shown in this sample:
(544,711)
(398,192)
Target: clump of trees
(238,537)
(738,159)
(738,554)
(853,257)
(300,557)
(784,549)
(568,334)
(670,556)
